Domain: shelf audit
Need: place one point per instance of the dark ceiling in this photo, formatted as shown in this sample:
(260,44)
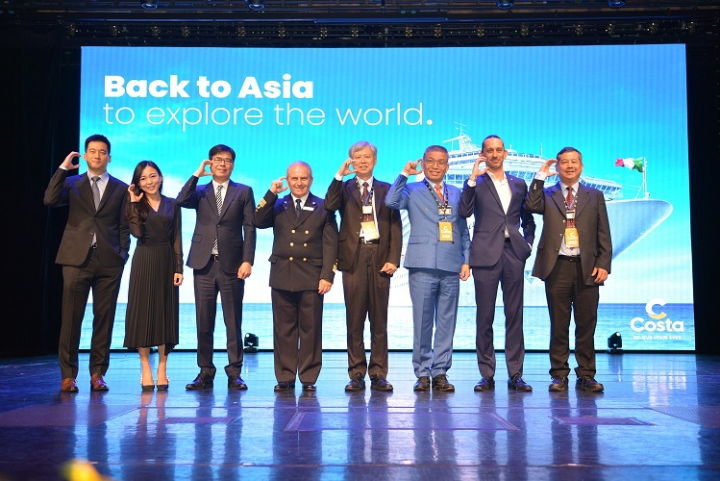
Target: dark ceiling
(368,22)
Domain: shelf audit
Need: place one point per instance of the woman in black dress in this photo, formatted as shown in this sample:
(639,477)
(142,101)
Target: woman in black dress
(153,305)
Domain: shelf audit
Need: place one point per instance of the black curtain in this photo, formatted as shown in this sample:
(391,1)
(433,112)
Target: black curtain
(31,86)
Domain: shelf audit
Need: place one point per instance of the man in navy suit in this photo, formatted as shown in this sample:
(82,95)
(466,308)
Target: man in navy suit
(222,253)
(437,258)
(93,252)
(305,248)
(573,258)
(498,255)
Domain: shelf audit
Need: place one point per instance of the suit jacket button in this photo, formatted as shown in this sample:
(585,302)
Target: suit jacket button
(291,259)
(304,259)
(292,231)
(292,244)
(307,232)
(305,244)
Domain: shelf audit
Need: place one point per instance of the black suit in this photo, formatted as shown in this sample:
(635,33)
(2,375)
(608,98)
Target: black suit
(569,284)
(304,251)
(89,266)
(366,289)
(235,234)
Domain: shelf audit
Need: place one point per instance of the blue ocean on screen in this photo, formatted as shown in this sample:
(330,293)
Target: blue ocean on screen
(675,331)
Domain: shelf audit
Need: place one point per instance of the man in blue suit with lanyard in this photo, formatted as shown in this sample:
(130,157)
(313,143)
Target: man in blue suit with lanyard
(437,257)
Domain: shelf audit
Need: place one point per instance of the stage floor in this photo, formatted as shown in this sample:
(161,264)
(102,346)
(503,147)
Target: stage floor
(659,418)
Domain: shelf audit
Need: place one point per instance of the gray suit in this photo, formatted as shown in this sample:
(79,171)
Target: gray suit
(569,284)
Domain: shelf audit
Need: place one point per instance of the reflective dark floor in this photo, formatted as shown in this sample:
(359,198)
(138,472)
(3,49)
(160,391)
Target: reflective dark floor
(659,418)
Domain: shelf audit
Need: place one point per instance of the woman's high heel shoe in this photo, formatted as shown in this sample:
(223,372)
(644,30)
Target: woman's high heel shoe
(164,387)
(147,387)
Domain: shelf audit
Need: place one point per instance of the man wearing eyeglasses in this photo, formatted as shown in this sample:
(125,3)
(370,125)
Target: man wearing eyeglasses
(221,255)
(437,257)
(497,255)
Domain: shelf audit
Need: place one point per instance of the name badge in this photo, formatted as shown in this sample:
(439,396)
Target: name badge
(570,215)
(572,238)
(367,209)
(445,211)
(310,209)
(369,231)
(446,231)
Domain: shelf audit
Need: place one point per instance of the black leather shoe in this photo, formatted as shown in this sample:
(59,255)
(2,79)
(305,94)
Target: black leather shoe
(589,384)
(285,386)
(440,383)
(309,387)
(379,383)
(357,383)
(202,381)
(517,383)
(485,384)
(236,382)
(559,384)
(422,384)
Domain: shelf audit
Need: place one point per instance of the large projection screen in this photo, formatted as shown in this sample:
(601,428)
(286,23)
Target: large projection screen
(274,106)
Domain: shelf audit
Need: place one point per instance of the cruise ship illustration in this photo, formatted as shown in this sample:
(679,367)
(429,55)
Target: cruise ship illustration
(630,219)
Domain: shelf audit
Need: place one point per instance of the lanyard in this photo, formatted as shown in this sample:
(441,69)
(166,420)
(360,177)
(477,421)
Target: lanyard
(443,206)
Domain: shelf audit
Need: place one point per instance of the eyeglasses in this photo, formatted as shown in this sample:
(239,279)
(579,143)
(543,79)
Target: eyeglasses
(222,160)
(439,163)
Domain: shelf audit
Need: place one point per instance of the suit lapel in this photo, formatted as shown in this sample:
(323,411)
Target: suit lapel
(310,203)
(354,191)
(487,181)
(557,196)
(109,189)
(86,191)
(232,191)
(582,200)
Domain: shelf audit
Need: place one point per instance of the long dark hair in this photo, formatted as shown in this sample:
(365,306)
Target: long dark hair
(144,204)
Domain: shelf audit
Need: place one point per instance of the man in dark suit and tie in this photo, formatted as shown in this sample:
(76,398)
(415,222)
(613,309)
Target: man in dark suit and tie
(437,257)
(221,255)
(369,254)
(497,255)
(93,252)
(301,273)
(573,258)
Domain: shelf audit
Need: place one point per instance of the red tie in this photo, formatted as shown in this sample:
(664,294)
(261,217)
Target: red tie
(366,217)
(439,191)
(569,200)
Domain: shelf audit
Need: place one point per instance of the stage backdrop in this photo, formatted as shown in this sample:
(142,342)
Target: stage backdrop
(621,106)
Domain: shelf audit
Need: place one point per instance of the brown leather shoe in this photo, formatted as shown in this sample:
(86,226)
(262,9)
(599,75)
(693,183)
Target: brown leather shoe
(440,383)
(422,384)
(68,385)
(97,383)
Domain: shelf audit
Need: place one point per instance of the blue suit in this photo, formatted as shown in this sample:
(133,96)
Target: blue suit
(434,267)
(495,259)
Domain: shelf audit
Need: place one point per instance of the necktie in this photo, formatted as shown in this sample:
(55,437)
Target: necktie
(439,191)
(96,191)
(218,203)
(218,198)
(298,208)
(569,201)
(365,193)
